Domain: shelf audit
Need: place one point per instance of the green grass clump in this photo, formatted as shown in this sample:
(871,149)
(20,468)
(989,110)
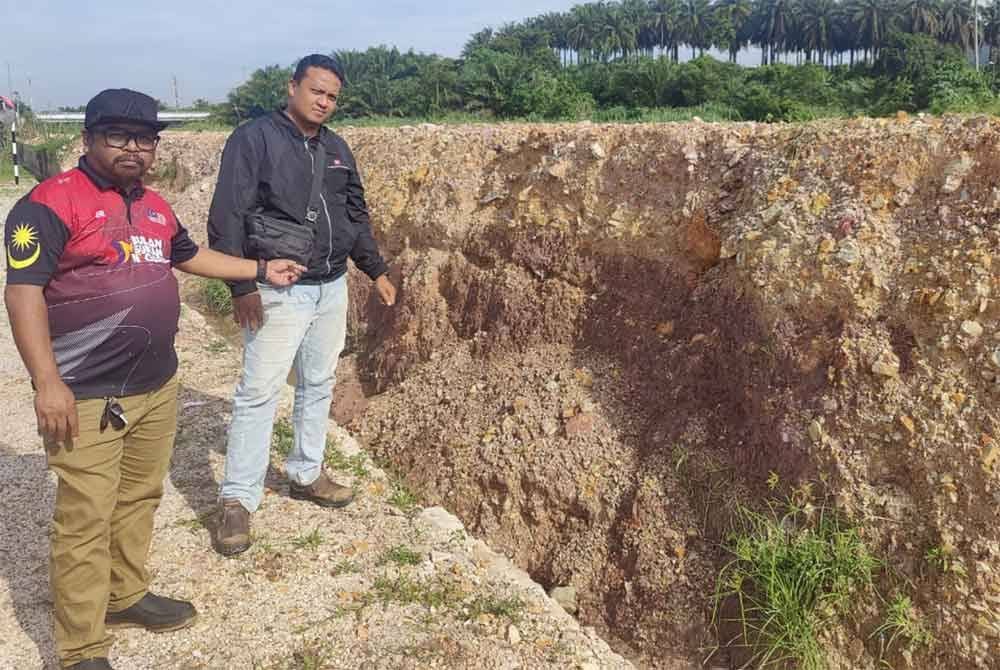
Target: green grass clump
(504,608)
(402,555)
(404,590)
(337,460)
(283,437)
(402,498)
(902,624)
(310,541)
(218,299)
(791,574)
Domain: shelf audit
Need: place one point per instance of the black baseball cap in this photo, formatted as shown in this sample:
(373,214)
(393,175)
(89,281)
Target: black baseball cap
(122,105)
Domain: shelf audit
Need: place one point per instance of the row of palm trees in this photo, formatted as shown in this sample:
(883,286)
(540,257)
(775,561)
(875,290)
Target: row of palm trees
(821,31)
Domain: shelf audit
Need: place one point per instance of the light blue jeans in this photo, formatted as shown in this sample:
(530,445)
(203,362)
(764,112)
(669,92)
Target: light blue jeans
(304,326)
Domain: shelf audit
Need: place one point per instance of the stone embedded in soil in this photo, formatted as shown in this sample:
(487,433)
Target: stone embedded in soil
(887,366)
(849,252)
(566,597)
(908,423)
(581,424)
(972,328)
(816,431)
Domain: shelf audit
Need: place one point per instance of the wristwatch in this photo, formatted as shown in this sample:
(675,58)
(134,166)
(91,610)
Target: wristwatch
(262,270)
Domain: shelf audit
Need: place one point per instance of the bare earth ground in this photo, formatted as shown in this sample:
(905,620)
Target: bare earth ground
(381,584)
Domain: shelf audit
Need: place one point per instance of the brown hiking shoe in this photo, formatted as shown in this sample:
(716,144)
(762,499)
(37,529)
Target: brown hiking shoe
(324,492)
(232,534)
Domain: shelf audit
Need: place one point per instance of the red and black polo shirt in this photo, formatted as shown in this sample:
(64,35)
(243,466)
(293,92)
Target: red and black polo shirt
(105,259)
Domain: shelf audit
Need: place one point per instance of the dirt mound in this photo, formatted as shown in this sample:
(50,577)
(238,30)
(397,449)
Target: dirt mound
(609,335)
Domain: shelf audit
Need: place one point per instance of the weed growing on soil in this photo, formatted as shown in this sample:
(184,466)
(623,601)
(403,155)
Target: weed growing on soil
(437,593)
(345,568)
(791,574)
(402,499)
(337,460)
(902,623)
(311,541)
(283,438)
(261,543)
(943,559)
(195,524)
(217,346)
(310,657)
(401,555)
(505,608)
(218,299)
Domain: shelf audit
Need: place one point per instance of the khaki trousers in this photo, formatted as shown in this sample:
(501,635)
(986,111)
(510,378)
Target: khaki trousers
(110,485)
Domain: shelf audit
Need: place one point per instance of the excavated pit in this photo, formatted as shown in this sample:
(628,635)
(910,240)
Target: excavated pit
(608,336)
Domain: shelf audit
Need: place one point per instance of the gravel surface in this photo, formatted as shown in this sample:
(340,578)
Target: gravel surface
(383,583)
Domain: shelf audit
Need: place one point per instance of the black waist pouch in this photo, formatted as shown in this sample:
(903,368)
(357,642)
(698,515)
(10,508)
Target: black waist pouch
(270,237)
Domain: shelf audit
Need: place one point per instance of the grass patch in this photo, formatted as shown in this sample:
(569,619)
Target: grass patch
(311,656)
(196,524)
(217,346)
(345,567)
(401,555)
(261,543)
(402,498)
(404,590)
(708,112)
(337,460)
(791,574)
(902,624)
(218,299)
(311,541)
(943,559)
(282,438)
(503,608)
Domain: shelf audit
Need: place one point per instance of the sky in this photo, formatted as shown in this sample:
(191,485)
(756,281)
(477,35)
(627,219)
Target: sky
(61,53)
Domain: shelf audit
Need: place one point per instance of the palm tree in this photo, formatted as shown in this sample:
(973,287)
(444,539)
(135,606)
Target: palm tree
(772,26)
(816,27)
(922,16)
(582,30)
(956,23)
(735,14)
(871,19)
(696,20)
(664,20)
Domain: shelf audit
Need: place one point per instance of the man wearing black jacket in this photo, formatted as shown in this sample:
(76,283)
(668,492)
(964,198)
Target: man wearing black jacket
(267,169)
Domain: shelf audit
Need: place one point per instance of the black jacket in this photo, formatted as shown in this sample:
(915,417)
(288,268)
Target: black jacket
(267,166)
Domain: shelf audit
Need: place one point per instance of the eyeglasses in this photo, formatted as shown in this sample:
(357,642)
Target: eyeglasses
(113,414)
(119,139)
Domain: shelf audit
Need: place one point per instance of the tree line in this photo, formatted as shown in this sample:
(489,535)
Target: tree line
(626,60)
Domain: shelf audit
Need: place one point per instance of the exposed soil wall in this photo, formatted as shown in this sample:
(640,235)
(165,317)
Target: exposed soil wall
(608,335)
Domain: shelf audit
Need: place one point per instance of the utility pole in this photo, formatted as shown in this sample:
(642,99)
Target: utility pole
(975,24)
(177,98)
(13,139)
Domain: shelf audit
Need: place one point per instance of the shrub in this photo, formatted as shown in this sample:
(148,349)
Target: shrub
(790,575)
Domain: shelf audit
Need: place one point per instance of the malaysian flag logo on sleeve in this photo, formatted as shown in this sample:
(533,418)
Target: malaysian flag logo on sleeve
(156,217)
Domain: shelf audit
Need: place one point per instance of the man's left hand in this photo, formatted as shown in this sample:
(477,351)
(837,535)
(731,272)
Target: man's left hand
(283,272)
(386,291)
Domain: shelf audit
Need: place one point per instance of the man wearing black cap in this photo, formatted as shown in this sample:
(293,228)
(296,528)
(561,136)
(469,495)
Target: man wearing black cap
(286,177)
(94,307)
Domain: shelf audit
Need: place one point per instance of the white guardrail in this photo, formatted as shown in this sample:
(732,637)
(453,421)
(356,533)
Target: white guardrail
(77,117)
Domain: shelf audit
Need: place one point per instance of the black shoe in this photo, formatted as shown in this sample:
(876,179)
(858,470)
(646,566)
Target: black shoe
(92,664)
(154,613)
